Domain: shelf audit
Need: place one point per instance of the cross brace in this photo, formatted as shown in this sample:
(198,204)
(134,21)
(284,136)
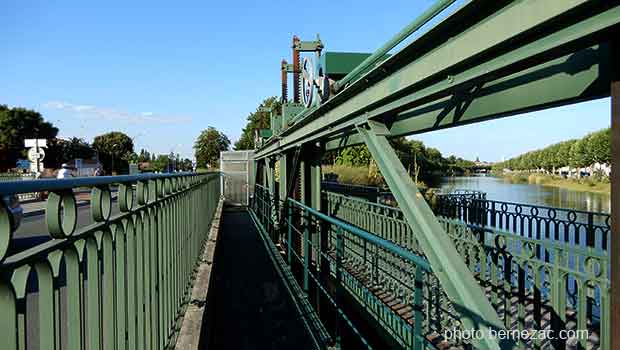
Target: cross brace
(466,295)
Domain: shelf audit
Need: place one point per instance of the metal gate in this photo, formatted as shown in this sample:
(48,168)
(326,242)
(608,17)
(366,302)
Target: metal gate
(237,176)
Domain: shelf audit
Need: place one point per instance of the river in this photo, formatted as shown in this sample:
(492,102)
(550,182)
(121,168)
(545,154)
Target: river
(498,189)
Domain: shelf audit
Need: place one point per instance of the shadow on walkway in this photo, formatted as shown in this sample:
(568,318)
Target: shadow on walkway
(249,304)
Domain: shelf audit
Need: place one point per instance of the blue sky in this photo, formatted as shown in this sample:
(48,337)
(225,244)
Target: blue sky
(163,71)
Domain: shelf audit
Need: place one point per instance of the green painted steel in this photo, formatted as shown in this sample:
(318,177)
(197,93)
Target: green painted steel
(339,64)
(474,309)
(509,38)
(412,272)
(380,55)
(120,283)
(507,264)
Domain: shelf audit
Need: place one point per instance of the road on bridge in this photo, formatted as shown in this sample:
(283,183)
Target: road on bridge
(33,229)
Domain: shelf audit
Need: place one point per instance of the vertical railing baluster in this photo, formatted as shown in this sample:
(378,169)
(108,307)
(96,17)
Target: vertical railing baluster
(338,296)
(306,249)
(418,285)
(289,236)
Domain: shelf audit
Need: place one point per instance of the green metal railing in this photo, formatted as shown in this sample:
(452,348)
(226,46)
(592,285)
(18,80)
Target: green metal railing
(118,283)
(533,283)
(330,258)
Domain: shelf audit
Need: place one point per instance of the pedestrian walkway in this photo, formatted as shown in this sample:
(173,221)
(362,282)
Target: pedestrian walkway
(251,308)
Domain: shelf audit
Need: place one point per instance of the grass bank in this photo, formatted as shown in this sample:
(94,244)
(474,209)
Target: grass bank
(586,184)
(367,176)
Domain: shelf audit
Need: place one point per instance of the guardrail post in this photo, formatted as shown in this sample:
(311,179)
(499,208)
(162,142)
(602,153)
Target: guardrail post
(418,289)
(289,235)
(338,296)
(306,248)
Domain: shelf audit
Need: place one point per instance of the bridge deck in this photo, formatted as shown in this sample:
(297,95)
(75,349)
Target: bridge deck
(251,308)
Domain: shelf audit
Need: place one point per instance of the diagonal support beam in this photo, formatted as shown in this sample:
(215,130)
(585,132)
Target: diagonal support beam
(476,312)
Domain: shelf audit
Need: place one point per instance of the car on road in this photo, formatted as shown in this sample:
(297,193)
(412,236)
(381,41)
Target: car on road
(16,212)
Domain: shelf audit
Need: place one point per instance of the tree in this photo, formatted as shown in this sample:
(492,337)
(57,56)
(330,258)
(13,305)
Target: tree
(114,150)
(258,120)
(598,146)
(17,124)
(144,156)
(185,165)
(578,156)
(208,146)
(160,163)
(61,151)
(354,156)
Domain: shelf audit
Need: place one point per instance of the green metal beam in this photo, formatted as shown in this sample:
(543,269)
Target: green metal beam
(466,295)
(507,40)
(568,79)
(379,55)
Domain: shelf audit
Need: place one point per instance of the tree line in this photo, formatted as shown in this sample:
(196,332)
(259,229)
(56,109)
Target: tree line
(421,161)
(418,158)
(576,153)
(114,150)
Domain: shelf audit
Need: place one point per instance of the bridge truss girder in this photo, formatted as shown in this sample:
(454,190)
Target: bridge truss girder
(506,60)
(466,295)
(487,60)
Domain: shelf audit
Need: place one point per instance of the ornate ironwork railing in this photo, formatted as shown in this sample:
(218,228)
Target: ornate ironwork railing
(583,228)
(534,283)
(120,282)
(393,285)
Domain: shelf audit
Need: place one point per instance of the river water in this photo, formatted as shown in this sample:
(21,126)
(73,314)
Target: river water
(498,189)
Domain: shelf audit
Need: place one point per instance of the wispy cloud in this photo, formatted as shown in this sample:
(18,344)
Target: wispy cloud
(89,111)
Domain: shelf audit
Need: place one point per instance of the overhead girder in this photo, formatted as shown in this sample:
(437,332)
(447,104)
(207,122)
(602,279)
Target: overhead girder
(568,79)
(503,40)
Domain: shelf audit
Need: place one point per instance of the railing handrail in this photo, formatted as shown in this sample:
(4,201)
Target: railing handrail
(404,33)
(383,243)
(89,181)
(543,207)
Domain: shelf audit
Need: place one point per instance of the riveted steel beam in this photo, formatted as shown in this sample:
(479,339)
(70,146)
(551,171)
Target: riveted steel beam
(486,42)
(466,295)
(578,76)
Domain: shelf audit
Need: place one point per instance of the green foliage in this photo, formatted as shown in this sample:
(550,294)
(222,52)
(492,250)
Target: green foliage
(144,156)
(598,146)
(114,148)
(160,163)
(354,156)
(258,120)
(17,124)
(578,155)
(416,157)
(590,149)
(61,151)
(208,146)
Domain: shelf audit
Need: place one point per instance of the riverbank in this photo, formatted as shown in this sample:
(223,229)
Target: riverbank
(365,176)
(585,184)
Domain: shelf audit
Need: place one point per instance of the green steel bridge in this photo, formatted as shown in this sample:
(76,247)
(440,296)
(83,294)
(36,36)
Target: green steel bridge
(166,264)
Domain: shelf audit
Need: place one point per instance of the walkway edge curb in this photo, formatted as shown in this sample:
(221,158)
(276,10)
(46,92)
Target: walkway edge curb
(192,325)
